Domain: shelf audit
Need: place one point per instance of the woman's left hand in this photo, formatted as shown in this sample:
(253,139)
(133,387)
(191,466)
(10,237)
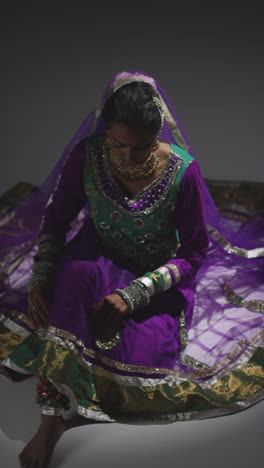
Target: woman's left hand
(108,314)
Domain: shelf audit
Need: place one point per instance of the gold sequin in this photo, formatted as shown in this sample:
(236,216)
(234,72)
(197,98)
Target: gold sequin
(139,223)
(116,236)
(116,216)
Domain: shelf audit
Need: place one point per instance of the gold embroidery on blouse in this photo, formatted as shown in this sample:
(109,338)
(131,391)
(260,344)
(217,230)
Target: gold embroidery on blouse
(94,165)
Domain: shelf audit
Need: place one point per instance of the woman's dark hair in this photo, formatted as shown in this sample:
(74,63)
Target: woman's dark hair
(132,104)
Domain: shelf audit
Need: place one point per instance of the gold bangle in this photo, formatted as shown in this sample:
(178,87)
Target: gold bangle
(175,270)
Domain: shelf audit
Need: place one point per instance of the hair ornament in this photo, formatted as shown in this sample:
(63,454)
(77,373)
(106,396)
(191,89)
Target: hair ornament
(159,106)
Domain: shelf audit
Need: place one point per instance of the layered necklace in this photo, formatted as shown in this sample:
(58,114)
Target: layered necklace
(137,172)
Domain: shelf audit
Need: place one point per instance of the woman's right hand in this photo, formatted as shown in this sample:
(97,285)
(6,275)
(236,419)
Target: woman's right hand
(39,299)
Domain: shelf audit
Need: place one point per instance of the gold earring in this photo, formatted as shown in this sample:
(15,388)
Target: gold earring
(154,145)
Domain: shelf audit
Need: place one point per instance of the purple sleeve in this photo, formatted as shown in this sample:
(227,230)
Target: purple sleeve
(67,199)
(191,225)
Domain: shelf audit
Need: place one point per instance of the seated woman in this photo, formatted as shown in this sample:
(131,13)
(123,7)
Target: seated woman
(134,308)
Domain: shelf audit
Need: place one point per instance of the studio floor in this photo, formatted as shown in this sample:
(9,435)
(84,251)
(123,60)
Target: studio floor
(228,441)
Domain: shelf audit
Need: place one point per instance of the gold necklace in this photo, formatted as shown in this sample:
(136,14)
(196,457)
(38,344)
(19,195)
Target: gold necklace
(138,172)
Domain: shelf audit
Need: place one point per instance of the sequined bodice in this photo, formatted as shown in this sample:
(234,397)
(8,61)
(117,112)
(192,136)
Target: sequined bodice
(139,232)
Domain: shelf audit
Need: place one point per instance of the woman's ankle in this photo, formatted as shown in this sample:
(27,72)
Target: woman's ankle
(47,420)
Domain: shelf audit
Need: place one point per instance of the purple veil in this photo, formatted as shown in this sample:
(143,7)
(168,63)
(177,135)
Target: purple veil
(20,227)
(235,257)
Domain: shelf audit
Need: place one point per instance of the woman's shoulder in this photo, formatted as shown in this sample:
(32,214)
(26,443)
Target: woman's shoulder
(182,154)
(188,169)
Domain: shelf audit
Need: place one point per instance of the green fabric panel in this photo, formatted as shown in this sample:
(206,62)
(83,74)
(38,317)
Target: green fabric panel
(103,393)
(159,241)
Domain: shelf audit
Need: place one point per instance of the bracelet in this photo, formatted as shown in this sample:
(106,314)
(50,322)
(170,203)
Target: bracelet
(45,257)
(167,279)
(126,298)
(139,294)
(41,271)
(43,268)
(175,271)
(36,280)
(47,237)
(135,295)
(157,279)
(47,246)
(148,284)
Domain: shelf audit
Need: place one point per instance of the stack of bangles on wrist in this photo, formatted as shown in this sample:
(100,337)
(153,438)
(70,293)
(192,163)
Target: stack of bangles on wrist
(48,249)
(41,271)
(138,293)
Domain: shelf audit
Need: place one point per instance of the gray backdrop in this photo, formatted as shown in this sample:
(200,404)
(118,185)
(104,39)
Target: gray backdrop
(209,59)
(58,59)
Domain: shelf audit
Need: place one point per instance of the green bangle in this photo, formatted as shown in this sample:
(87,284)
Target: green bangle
(148,274)
(161,282)
(157,279)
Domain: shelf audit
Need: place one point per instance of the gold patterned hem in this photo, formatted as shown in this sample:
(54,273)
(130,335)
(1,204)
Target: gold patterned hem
(101,397)
(241,353)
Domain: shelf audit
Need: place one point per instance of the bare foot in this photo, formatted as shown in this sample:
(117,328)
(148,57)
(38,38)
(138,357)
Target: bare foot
(39,450)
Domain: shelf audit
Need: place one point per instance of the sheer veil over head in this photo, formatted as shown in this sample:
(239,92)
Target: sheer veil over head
(20,226)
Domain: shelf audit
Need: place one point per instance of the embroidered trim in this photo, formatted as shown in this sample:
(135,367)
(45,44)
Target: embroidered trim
(189,361)
(56,336)
(170,417)
(237,350)
(150,370)
(95,168)
(232,249)
(253,305)
(253,394)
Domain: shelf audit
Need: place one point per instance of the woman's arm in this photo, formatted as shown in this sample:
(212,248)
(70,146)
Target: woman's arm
(191,225)
(66,201)
(64,204)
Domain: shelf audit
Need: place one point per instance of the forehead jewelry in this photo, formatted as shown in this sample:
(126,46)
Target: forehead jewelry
(159,106)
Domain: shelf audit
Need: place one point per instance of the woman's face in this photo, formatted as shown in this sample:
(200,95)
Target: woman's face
(130,145)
